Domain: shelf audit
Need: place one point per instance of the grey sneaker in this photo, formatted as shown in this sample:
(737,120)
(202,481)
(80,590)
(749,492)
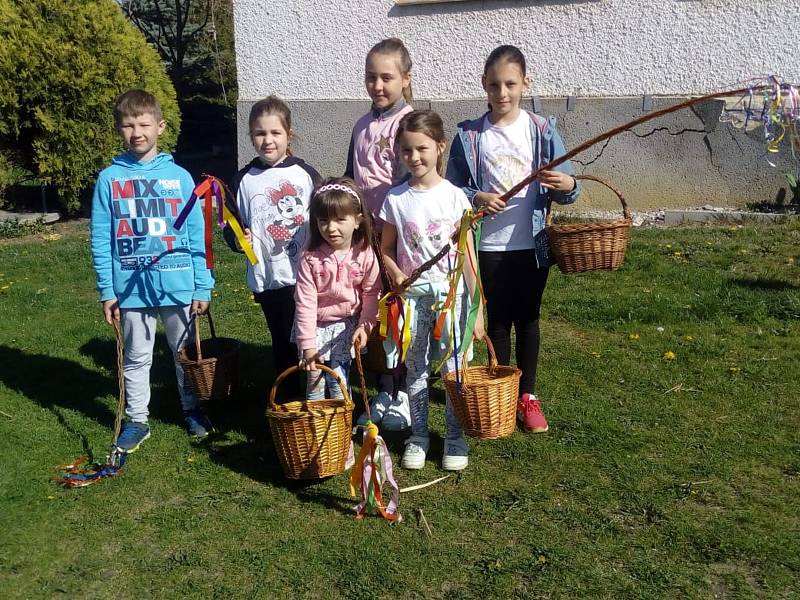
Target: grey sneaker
(455,454)
(377,409)
(132,435)
(414,455)
(398,413)
(197,423)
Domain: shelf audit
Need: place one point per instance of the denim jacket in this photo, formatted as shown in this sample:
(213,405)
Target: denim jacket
(463,171)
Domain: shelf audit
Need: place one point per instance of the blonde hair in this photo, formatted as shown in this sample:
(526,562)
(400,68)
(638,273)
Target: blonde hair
(398,48)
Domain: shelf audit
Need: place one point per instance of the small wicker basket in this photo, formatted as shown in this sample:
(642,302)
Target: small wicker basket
(485,400)
(581,247)
(211,366)
(312,437)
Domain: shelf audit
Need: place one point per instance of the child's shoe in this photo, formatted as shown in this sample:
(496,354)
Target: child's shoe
(377,409)
(455,454)
(398,414)
(530,415)
(416,450)
(132,435)
(197,423)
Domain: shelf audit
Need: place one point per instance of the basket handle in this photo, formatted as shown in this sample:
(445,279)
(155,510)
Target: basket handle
(492,359)
(626,212)
(197,331)
(274,391)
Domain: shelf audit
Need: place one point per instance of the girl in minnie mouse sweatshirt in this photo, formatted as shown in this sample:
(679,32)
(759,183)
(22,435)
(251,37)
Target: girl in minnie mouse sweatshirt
(273,196)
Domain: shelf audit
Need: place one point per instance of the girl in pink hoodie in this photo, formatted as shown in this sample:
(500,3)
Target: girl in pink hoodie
(338,284)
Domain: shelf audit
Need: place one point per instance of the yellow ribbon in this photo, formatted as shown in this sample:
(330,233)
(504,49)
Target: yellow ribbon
(228,217)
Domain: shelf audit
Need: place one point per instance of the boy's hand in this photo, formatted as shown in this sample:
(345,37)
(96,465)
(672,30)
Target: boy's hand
(556,180)
(200,306)
(360,338)
(248,235)
(111,310)
(489,203)
(309,362)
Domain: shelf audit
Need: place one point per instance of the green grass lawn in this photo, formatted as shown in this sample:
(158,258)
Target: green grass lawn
(658,479)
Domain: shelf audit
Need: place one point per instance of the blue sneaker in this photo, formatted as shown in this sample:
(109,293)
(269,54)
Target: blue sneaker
(132,435)
(197,423)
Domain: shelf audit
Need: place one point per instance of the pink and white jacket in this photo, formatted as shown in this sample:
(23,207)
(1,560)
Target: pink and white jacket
(371,160)
(330,288)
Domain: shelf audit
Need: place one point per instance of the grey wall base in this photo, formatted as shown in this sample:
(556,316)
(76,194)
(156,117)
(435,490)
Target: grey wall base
(691,160)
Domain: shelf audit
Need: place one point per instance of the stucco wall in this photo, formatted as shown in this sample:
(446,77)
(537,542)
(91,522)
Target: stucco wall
(312,50)
(607,52)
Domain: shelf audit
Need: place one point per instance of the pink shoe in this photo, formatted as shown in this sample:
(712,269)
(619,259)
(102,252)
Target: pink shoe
(530,415)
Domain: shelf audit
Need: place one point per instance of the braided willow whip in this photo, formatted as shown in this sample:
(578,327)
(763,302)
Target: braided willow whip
(577,150)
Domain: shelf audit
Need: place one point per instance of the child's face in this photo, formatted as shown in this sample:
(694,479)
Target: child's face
(140,134)
(384,81)
(338,230)
(420,155)
(504,84)
(270,138)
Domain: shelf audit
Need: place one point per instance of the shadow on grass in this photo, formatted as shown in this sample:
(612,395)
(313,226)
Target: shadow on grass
(764,284)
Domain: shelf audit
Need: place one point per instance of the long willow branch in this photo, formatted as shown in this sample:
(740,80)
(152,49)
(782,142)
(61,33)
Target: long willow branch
(575,151)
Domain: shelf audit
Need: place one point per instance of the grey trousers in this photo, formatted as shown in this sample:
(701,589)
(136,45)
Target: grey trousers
(139,333)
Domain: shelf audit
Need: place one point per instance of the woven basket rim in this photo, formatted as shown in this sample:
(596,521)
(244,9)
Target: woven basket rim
(588,227)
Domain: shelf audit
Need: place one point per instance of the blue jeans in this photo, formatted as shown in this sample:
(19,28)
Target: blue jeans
(315,382)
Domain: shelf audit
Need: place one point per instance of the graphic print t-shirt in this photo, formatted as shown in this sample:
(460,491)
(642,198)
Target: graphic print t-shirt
(274,203)
(506,156)
(425,220)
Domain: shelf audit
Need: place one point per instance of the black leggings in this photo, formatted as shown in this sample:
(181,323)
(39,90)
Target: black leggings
(513,286)
(278,306)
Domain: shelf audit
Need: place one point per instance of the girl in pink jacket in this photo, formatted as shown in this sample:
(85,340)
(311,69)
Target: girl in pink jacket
(338,284)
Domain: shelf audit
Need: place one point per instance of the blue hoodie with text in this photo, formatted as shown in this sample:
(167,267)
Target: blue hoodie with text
(138,256)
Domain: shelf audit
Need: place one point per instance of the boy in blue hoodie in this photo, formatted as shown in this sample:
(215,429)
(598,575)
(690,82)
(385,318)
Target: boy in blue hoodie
(145,268)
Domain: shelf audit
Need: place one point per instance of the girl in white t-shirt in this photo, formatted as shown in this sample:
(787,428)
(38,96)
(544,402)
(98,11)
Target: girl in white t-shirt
(420,216)
(489,156)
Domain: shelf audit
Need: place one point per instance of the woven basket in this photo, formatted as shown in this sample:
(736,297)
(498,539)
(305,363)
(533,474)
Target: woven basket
(211,366)
(312,437)
(485,400)
(580,247)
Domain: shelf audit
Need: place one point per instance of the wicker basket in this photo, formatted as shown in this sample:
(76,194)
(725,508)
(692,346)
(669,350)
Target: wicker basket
(485,401)
(580,247)
(211,366)
(312,437)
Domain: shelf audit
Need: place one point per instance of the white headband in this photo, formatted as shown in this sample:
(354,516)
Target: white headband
(339,188)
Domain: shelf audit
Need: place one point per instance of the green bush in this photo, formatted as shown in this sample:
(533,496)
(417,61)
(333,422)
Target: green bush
(63,62)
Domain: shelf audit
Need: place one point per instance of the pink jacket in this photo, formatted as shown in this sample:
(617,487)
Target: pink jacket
(330,289)
(372,161)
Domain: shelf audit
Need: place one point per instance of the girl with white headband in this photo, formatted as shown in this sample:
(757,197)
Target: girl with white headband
(338,283)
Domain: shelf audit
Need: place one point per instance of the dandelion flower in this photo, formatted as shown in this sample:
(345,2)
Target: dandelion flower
(670,355)
(634,336)
(689,338)
(734,370)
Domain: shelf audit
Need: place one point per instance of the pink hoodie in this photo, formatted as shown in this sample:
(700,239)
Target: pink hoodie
(330,288)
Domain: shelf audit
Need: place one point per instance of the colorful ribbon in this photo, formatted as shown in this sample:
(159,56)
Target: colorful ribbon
(210,189)
(368,474)
(82,473)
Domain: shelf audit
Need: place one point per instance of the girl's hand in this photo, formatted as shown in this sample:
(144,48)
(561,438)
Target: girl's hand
(479,332)
(489,203)
(309,362)
(360,338)
(248,235)
(556,180)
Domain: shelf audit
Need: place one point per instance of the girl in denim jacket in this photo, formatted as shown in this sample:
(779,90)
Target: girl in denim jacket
(489,156)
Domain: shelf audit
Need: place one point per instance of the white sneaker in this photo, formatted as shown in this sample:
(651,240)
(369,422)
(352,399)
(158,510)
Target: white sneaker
(414,455)
(398,414)
(377,409)
(455,454)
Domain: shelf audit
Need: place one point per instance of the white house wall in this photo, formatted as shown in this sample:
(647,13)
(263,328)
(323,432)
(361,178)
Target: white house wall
(607,53)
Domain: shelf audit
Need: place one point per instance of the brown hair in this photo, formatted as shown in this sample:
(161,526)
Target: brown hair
(508,53)
(272,105)
(397,47)
(426,122)
(135,103)
(339,203)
